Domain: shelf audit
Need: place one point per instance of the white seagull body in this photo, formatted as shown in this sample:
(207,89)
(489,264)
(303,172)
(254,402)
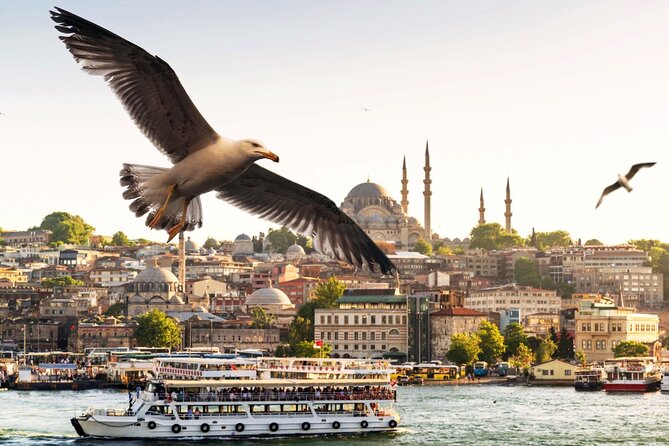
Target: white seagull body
(203,160)
(623,181)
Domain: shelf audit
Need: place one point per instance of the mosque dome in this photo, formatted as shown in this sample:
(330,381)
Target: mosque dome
(295,249)
(268,296)
(155,274)
(412,221)
(242,237)
(368,190)
(376,220)
(190,245)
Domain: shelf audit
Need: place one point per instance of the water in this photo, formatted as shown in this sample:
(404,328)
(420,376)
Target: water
(484,415)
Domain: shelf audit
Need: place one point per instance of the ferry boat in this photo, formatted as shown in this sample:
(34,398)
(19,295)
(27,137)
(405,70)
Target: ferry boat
(192,397)
(632,374)
(589,377)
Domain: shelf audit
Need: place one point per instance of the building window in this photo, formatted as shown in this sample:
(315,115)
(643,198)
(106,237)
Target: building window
(355,335)
(567,373)
(355,320)
(336,319)
(346,336)
(345,320)
(322,319)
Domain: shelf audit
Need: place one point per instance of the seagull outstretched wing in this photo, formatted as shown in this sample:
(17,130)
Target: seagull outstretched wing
(635,168)
(607,191)
(146,86)
(301,209)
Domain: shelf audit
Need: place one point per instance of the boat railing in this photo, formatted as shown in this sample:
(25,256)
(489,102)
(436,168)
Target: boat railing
(288,397)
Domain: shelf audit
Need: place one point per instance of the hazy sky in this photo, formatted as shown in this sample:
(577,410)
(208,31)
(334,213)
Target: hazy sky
(559,96)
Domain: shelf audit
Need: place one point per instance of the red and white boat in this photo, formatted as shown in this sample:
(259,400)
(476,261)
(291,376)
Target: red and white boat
(633,374)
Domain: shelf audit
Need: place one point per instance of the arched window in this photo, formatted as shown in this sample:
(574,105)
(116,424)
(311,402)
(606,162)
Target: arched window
(394,332)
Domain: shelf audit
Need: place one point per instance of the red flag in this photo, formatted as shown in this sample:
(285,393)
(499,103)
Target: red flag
(318,344)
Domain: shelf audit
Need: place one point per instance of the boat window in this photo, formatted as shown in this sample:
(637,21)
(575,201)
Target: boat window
(211,409)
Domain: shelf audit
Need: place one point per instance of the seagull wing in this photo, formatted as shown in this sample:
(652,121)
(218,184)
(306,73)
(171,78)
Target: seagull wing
(146,85)
(635,168)
(607,191)
(287,203)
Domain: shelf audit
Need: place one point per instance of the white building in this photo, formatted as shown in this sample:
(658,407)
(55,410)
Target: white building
(526,299)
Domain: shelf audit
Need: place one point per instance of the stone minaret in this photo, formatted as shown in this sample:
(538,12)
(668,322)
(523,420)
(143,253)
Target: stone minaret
(481,210)
(405,192)
(427,193)
(508,213)
(182,263)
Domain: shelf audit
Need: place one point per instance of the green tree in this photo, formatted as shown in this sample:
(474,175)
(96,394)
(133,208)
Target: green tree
(301,329)
(630,348)
(156,329)
(580,357)
(465,349)
(67,228)
(492,342)
(261,318)
(211,243)
(593,242)
(327,293)
(514,337)
(545,351)
(444,251)
(120,239)
(491,236)
(423,247)
(565,345)
(280,239)
(61,281)
(526,272)
(523,357)
(306,243)
(546,240)
(306,349)
(283,351)
(118,309)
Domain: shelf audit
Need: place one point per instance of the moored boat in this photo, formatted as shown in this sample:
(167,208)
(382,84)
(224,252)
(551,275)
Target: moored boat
(632,374)
(589,377)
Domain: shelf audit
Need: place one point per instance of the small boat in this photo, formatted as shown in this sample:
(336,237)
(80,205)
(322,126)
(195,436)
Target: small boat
(632,374)
(589,377)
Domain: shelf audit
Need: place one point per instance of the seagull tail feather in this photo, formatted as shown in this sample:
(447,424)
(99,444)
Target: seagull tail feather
(147,199)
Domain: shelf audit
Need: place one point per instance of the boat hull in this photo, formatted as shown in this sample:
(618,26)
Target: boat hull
(632,387)
(131,427)
(589,386)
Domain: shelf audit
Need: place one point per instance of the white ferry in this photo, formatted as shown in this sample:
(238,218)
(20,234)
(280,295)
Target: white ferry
(286,396)
(589,377)
(632,374)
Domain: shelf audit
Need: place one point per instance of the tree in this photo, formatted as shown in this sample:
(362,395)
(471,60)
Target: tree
(492,342)
(546,240)
(301,329)
(306,243)
(526,272)
(261,318)
(327,293)
(281,239)
(465,348)
(523,357)
(630,348)
(306,349)
(514,337)
(444,251)
(422,247)
(545,351)
(580,357)
(62,281)
(118,309)
(156,329)
(120,239)
(593,242)
(565,345)
(491,236)
(67,228)
(211,243)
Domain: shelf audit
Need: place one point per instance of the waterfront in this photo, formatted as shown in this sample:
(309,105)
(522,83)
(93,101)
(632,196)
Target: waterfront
(431,415)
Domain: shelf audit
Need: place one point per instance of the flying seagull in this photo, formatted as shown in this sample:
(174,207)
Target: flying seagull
(366,109)
(203,160)
(623,181)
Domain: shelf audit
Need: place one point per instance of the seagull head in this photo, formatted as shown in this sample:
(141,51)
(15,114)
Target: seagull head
(257,150)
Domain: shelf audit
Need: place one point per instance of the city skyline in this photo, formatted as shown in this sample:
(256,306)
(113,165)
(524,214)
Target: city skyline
(558,97)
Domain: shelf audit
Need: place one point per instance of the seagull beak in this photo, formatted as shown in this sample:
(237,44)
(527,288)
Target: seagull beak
(269,155)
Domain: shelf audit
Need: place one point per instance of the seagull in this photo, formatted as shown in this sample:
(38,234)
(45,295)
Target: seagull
(203,160)
(366,109)
(623,181)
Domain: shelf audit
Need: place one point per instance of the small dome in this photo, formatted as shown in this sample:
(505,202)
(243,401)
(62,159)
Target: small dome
(154,274)
(268,296)
(457,240)
(241,237)
(412,221)
(138,299)
(466,240)
(295,249)
(447,240)
(376,220)
(190,245)
(176,300)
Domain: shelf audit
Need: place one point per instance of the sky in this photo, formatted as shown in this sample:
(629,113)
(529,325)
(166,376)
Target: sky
(558,96)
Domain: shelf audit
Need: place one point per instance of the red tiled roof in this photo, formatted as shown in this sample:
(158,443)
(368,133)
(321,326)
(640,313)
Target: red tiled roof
(458,311)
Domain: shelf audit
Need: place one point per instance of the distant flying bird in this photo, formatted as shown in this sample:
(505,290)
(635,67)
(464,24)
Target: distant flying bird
(366,109)
(203,160)
(623,181)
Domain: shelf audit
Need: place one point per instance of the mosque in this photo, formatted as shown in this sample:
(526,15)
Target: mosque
(385,220)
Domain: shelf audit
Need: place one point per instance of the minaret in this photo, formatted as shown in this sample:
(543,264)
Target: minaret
(427,193)
(182,263)
(508,213)
(481,210)
(405,192)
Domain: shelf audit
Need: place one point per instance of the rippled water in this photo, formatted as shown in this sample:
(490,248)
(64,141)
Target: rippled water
(431,415)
